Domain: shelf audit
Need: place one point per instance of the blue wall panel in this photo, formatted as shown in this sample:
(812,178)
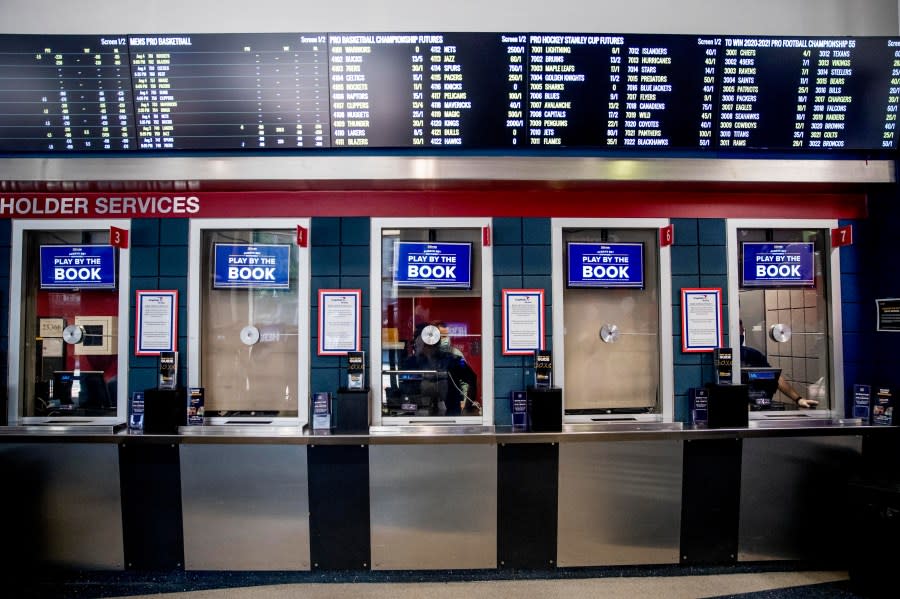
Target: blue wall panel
(339,257)
(159,260)
(699,259)
(871,356)
(522,259)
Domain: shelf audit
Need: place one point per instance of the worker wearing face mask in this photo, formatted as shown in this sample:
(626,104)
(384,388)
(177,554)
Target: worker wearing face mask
(454,379)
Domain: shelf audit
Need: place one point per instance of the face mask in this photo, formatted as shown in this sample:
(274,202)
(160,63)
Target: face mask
(445,343)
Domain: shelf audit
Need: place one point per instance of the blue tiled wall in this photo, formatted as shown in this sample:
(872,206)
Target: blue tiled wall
(873,272)
(522,259)
(857,308)
(699,259)
(159,260)
(340,257)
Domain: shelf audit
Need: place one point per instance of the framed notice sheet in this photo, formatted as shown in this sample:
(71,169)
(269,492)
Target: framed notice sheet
(156,326)
(701,319)
(888,314)
(340,321)
(523,321)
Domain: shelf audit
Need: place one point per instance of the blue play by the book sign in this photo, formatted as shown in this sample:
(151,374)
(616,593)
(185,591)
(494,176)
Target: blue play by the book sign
(78,267)
(428,265)
(778,264)
(258,266)
(606,265)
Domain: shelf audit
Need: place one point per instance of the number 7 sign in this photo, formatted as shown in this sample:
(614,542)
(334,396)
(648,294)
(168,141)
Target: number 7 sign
(842,236)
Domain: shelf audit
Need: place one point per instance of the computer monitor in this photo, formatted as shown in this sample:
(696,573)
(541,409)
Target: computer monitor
(418,392)
(93,391)
(762,383)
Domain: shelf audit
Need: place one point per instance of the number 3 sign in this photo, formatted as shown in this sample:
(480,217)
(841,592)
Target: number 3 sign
(118,237)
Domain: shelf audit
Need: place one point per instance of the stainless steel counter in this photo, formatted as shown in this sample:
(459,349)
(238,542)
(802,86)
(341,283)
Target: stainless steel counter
(439,434)
(247,491)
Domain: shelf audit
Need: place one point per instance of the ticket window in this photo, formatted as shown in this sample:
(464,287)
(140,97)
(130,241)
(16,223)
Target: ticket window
(249,320)
(612,320)
(786,282)
(68,341)
(433,356)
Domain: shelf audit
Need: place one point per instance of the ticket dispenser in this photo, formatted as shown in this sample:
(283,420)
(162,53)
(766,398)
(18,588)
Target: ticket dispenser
(431,338)
(612,321)
(350,405)
(67,347)
(248,320)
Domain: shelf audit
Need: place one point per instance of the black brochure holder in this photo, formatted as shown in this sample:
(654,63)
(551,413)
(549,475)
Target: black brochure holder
(164,410)
(544,408)
(728,406)
(723,359)
(350,412)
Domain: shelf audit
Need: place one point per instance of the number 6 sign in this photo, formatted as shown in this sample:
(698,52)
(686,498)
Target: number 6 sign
(666,235)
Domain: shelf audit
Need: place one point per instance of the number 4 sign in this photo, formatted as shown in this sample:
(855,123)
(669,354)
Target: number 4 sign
(118,237)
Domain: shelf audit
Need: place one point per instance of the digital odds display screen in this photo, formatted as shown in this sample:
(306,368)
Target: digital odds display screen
(430,90)
(230,91)
(461,90)
(65,93)
(810,93)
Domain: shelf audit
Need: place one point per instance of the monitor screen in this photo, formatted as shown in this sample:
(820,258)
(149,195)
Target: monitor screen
(416,392)
(762,383)
(91,392)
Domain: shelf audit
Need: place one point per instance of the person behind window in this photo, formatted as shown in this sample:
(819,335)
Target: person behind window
(753,358)
(454,378)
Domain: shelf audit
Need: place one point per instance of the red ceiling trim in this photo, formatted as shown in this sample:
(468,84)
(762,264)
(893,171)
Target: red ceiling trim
(714,203)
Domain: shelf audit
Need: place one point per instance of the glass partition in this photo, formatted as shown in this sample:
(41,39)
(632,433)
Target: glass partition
(66,351)
(432,364)
(612,330)
(784,316)
(251,322)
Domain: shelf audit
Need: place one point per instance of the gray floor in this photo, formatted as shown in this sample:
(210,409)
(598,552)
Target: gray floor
(669,587)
